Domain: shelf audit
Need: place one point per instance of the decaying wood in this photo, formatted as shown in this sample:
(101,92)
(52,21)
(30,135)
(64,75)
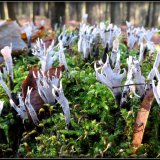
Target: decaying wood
(142,118)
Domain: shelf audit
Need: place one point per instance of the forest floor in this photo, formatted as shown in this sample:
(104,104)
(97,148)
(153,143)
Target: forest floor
(72,23)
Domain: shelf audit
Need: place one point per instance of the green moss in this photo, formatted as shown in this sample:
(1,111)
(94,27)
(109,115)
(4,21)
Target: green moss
(96,120)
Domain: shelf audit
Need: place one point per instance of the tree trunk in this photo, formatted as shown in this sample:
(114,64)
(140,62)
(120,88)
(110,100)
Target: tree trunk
(92,9)
(52,13)
(19,9)
(2,14)
(35,10)
(42,8)
(102,14)
(46,10)
(107,12)
(148,18)
(128,11)
(73,11)
(67,12)
(11,12)
(115,12)
(153,23)
(57,12)
(79,10)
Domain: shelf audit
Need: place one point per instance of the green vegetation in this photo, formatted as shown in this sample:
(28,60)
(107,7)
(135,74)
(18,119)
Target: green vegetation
(99,128)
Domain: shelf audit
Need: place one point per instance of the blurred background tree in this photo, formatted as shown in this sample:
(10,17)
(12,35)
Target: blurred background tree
(139,13)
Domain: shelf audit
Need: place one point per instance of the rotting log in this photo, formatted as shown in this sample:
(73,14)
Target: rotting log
(141,120)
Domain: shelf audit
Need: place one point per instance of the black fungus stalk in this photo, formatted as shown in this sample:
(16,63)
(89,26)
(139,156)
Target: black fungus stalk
(123,102)
(11,84)
(118,98)
(96,53)
(145,52)
(106,50)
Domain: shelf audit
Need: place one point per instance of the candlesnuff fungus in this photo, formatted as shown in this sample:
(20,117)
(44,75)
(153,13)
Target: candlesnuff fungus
(152,73)
(46,56)
(94,40)
(108,33)
(148,36)
(88,37)
(67,38)
(139,78)
(5,87)
(6,52)
(1,106)
(129,25)
(156,89)
(110,78)
(127,89)
(130,77)
(44,89)
(101,77)
(104,56)
(140,32)
(141,54)
(62,59)
(25,108)
(44,85)
(133,76)
(114,52)
(62,100)
(117,68)
(84,18)
(138,35)
(28,30)
(81,32)
(21,110)
(102,32)
(131,39)
(84,40)
(30,108)
(4,72)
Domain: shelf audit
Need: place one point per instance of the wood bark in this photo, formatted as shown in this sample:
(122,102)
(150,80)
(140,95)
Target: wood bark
(115,12)
(148,18)
(2,14)
(57,10)
(11,12)
(153,22)
(141,119)
(92,9)
(128,11)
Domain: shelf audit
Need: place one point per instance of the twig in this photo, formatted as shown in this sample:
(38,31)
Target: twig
(141,120)
(129,85)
